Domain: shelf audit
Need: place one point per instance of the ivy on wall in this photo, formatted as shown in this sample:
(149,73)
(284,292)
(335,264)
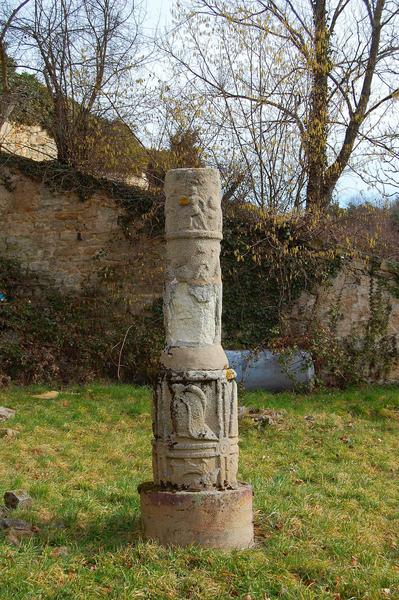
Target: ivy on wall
(47,336)
(267,261)
(60,178)
(369,352)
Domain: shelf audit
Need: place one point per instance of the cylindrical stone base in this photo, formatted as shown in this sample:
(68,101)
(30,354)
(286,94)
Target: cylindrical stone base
(211,519)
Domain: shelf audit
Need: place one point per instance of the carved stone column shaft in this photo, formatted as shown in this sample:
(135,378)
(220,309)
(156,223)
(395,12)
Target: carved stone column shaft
(195,497)
(195,419)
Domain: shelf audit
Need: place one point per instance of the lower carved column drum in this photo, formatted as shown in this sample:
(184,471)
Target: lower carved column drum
(195,443)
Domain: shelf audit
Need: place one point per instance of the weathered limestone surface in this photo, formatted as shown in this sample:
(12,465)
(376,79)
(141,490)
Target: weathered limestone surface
(195,496)
(30,141)
(193,286)
(195,415)
(212,519)
(195,430)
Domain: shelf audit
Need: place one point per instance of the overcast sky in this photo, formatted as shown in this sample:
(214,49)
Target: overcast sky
(158,13)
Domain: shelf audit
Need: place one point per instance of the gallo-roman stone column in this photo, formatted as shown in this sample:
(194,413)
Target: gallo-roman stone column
(195,497)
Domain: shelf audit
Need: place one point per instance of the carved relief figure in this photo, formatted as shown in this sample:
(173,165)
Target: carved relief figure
(188,412)
(204,212)
(203,266)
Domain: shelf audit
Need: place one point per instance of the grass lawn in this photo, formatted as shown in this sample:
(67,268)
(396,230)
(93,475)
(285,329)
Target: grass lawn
(326,500)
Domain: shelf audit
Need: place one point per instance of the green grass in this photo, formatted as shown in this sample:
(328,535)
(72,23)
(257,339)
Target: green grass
(326,500)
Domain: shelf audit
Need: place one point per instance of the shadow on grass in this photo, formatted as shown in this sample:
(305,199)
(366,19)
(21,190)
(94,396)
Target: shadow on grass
(105,534)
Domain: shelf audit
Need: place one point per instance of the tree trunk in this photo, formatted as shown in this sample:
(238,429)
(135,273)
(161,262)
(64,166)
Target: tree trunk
(71,134)
(317,195)
(336,169)
(61,136)
(63,130)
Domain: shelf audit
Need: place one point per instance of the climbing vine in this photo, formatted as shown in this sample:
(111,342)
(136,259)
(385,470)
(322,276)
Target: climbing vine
(369,352)
(267,261)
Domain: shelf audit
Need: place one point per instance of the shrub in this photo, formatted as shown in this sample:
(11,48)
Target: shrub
(267,261)
(46,336)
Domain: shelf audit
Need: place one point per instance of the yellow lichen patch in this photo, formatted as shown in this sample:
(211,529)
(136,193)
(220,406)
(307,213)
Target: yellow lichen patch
(184,201)
(230,374)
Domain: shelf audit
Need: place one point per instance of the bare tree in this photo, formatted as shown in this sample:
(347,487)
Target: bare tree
(83,49)
(308,87)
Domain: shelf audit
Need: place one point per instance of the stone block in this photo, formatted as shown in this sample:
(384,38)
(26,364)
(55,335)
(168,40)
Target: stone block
(196,430)
(6,413)
(8,433)
(210,519)
(17,499)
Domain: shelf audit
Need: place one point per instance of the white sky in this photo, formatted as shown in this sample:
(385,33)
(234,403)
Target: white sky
(158,13)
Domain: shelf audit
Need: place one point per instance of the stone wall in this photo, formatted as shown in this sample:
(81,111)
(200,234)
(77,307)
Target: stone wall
(30,141)
(75,244)
(347,296)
